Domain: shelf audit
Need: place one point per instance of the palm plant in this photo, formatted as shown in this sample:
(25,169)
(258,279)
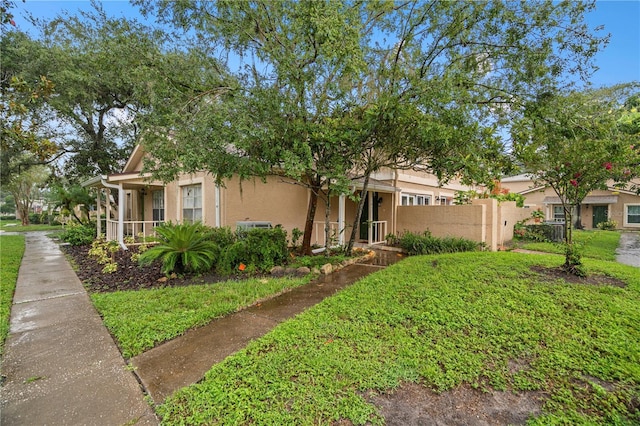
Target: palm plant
(183,247)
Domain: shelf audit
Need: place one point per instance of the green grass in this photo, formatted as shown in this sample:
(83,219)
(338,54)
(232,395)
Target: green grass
(139,320)
(441,321)
(11,251)
(16,226)
(593,244)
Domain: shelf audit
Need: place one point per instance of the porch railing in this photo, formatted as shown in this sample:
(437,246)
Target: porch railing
(140,229)
(377,232)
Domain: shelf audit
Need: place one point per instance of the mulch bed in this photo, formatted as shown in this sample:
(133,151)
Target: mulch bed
(552,274)
(129,276)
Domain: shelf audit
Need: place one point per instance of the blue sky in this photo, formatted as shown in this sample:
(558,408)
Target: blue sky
(619,62)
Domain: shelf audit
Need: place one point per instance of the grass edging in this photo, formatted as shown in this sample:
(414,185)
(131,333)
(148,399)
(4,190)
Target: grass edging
(11,252)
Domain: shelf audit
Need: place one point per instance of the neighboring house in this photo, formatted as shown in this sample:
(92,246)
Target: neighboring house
(599,206)
(143,203)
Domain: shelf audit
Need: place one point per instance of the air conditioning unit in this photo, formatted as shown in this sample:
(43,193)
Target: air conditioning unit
(250,224)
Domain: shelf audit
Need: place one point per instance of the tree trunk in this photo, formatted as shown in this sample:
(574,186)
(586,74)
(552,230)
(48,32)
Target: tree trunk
(311,214)
(578,224)
(354,229)
(327,223)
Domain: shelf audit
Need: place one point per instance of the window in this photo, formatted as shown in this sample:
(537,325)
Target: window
(158,205)
(558,214)
(192,203)
(408,200)
(416,200)
(632,215)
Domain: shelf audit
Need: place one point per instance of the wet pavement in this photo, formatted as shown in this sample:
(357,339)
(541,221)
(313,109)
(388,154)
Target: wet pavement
(185,359)
(628,251)
(60,364)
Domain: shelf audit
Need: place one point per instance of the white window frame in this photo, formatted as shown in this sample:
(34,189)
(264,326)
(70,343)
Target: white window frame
(626,222)
(418,199)
(160,208)
(197,199)
(553,213)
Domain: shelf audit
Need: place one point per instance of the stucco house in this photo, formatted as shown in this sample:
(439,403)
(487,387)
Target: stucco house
(599,206)
(143,203)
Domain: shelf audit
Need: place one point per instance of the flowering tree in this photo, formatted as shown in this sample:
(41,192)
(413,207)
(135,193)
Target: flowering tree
(574,143)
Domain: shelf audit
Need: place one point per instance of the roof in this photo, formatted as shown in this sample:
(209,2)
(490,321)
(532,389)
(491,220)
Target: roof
(590,199)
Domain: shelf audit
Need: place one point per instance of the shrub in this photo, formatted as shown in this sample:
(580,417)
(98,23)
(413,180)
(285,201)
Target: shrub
(258,249)
(79,235)
(416,244)
(608,225)
(223,237)
(183,248)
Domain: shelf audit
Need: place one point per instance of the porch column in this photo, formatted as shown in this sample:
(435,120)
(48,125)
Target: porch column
(99,226)
(370,218)
(217,194)
(121,208)
(341,227)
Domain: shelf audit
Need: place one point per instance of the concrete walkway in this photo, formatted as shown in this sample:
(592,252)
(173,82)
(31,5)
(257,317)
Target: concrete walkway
(61,366)
(628,251)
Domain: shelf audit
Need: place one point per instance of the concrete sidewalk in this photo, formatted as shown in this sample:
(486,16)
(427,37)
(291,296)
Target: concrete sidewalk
(61,366)
(628,251)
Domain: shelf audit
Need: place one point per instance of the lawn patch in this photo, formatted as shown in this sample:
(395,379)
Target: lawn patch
(11,251)
(484,321)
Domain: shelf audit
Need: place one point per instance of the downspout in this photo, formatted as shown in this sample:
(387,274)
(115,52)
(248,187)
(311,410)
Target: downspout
(120,211)
(217,194)
(341,227)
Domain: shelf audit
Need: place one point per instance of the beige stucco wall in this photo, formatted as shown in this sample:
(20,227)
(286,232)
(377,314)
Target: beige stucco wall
(485,220)
(445,221)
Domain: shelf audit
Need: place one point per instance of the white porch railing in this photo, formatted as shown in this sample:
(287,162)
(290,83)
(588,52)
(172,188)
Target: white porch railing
(377,231)
(132,228)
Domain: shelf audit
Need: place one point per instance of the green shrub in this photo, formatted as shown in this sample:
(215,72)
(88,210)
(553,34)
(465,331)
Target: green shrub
(416,244)
(223,237)
(79,235)
(257,249)
(608,225)
(183,248)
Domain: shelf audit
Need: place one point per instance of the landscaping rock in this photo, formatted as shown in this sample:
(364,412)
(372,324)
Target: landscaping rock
(302,271)
(277,271)
(326,269)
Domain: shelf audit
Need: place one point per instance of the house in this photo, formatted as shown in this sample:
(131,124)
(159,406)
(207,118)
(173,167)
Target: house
(144,203)
(621,206)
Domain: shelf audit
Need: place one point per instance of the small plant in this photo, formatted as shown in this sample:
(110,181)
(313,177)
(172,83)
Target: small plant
(537,215)
(296,234)
(425,243)
(392,239)
(608,225)
(259,249)
(573,261)
(183,248)
(79,235)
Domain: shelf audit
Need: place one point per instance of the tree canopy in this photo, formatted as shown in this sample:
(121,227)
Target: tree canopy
(577,142)
(330,91)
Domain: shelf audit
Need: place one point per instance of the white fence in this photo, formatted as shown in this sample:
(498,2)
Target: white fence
(132,228)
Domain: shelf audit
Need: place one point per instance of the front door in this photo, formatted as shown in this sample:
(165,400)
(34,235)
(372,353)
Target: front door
(364,219)
(599,215)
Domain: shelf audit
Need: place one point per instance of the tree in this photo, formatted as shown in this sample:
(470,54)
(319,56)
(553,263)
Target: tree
(575,143)
(335,90)
(23,185)
(97,65)
(21,142)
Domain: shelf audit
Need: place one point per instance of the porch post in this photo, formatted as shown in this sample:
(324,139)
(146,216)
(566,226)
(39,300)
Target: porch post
(370,218)
(121,208)
(341,229)
(99,226)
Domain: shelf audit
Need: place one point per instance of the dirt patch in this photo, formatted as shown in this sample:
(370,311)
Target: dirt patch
(413,404)
(553,274)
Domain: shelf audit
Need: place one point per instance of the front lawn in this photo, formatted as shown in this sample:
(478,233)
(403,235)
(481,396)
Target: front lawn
(16,226)
(11,251)
(594,244)
(141,319)
(481,320)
